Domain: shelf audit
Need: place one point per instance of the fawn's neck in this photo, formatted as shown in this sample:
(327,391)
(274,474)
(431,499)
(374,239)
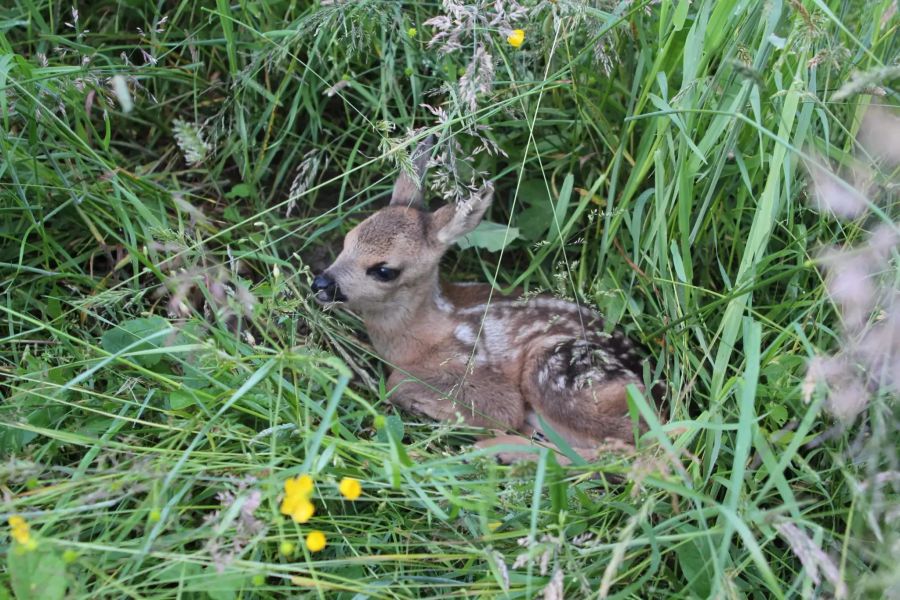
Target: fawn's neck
(403,331)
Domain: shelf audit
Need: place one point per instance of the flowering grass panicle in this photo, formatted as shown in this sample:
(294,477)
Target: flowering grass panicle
(812,557)
(459,29)
(192,141)
(231,543)
(313,161)
(478,78)
(831,194)
(870,351)
(859,279)
(879,135)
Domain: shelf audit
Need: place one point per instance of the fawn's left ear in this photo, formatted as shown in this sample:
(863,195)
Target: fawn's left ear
(453,221)
(410,187)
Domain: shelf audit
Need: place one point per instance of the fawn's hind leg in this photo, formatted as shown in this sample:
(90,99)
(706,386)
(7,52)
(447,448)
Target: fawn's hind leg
(578,388)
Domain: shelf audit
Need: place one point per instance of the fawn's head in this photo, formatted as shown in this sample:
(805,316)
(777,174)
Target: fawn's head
(390,260)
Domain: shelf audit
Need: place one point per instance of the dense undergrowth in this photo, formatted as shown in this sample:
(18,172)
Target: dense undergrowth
(172,172)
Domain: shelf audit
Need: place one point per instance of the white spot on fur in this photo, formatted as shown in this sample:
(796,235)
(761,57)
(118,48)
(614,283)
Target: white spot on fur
(442,303)
(560,382)
(478,309)
(553,304)
(464,333)
(531,329)
(494,332)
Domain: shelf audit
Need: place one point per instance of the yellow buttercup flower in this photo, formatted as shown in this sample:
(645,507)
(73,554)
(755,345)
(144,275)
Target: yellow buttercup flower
(315,541)
(516,38)
(304,511)
(17,522)
(299,508)
(302,485)
(296,503)
(350,488)
(21,532)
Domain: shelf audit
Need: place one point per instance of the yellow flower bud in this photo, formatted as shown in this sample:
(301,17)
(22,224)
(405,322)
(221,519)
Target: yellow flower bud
(286,548)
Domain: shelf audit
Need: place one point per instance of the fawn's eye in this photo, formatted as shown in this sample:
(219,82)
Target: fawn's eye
(382,273)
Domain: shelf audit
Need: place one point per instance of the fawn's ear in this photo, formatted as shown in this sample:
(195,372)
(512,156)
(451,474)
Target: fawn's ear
(453,221)
(409,188)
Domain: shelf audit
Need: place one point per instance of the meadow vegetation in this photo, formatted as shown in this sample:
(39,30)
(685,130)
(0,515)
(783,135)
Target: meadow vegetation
(719,177)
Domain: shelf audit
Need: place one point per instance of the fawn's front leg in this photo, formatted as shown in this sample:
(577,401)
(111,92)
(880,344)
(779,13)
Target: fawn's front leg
(529,449)
(483,398)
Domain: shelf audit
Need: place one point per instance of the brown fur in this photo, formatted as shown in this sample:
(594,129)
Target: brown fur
(498,364)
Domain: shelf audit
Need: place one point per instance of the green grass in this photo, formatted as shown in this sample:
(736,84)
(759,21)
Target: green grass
(669,193)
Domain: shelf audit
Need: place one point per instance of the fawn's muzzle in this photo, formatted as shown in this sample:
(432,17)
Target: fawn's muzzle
(327,289)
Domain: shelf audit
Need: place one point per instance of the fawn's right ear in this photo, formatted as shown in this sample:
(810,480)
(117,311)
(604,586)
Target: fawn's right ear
(409,190)
(452,221)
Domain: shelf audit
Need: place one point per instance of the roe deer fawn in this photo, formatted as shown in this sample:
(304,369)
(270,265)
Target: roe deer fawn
(500,363)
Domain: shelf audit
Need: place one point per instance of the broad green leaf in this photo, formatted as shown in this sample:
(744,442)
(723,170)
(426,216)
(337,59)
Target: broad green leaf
(36,575)
(695,558)
(393,427)
(491,236)
(534,221)
(241,190)
(127,334)
(778,414)
(180,399)
(220,586)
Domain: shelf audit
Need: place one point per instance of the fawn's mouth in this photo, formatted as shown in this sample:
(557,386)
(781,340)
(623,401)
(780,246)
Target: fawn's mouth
(326,289)
(330,297)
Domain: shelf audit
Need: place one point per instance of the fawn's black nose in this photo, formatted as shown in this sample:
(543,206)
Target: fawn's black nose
(322,283)
(326,289)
